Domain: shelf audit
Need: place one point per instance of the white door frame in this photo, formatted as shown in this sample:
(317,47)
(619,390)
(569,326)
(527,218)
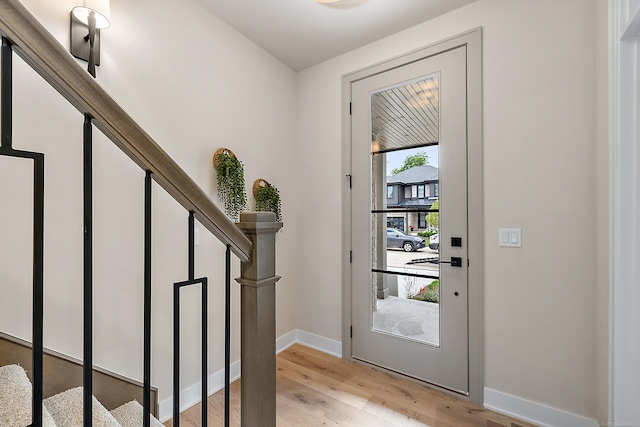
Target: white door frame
(624,227)
(473,40)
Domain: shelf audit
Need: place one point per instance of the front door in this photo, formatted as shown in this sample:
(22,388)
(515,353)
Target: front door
(409,220)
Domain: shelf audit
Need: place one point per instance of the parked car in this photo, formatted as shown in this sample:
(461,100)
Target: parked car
(434,242)
(397,239)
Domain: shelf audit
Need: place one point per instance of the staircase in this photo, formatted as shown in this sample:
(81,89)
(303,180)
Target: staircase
(62,410)
(252,241)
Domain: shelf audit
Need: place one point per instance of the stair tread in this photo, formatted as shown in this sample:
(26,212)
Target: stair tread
(130,415)
(66,409)
(62,410)
(16,399)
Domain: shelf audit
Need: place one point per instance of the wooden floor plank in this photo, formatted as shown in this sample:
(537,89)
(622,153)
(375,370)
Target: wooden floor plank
(316,389)
(326,407)
(398,416)
(291,414)
(319,382)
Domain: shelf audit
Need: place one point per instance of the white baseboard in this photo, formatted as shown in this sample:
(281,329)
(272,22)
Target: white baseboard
(533,412)
(286,341)
(191,395)
(317,342)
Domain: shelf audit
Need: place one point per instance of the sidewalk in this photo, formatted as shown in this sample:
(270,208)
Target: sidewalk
(408,318)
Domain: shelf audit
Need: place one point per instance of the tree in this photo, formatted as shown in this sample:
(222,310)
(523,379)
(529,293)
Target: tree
(419,159)
(433,218)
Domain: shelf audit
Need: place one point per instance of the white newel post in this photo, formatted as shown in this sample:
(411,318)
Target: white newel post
(258,321)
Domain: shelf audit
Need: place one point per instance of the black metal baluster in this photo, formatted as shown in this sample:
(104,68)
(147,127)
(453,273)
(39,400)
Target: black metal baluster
(6,116)
(88,272)
(38,287)
(176,331)
(176,355)
(192,247)
(204,328)
(176,348)
(6,82)
(146,398)
(227,335)
(205,352)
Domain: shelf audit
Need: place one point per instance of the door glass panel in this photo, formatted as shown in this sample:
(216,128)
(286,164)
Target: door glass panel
(404,194)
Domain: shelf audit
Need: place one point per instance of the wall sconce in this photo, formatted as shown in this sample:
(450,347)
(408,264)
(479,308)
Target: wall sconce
(86,22)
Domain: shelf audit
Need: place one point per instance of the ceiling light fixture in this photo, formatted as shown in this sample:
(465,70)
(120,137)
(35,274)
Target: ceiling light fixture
(86,22)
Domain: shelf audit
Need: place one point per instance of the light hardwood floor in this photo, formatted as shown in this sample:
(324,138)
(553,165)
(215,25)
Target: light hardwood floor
(315,389)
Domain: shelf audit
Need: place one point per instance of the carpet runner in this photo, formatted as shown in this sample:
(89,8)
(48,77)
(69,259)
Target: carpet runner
(62,410)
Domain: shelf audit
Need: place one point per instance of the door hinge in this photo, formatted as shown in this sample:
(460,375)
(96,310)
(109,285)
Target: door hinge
(350,108)
(350,256)
(349,176)
(468,263)
(351,332)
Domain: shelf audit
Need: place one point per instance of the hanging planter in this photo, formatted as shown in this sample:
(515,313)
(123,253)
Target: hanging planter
(231,186)
(267,198)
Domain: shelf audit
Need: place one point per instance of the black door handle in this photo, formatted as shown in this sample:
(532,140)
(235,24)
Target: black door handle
(455,262)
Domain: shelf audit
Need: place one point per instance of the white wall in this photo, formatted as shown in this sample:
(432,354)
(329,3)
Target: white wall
(603,173)
(541,173)
(194,84)
(624,380)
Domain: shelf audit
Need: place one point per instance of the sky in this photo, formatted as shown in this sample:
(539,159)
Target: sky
(396,158)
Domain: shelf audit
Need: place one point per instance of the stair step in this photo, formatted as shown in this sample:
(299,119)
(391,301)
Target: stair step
(66,409)
(62,410)
(16,399)
(130,415)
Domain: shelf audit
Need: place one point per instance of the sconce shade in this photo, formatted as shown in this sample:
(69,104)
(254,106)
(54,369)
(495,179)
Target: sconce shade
(100,7)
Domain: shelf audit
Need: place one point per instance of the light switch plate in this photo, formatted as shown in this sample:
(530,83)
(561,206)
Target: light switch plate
(510,237)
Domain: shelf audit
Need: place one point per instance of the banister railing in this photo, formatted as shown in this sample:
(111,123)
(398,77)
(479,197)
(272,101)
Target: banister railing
(252,240)
(36,46)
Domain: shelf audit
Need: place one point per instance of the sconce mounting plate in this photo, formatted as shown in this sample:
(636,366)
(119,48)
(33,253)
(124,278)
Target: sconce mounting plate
(80,41)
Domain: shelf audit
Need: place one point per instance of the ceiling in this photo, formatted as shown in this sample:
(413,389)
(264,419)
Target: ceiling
(303,33)
(406,116)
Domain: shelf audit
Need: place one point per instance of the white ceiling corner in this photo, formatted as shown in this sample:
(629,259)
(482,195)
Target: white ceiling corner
(303,33)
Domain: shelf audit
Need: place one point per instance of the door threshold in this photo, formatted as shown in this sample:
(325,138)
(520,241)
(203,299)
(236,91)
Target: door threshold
(434,386)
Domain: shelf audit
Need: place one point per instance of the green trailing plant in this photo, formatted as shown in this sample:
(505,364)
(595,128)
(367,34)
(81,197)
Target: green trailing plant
(267,198)
(231,186)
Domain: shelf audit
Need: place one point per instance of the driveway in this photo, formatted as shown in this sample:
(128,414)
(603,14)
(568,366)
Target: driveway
(397,261)
(399,258)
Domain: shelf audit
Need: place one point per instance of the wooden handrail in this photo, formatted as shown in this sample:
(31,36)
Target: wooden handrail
(50,59)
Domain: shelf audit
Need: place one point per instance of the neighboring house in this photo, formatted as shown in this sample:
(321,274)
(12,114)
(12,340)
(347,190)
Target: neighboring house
(415,189)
